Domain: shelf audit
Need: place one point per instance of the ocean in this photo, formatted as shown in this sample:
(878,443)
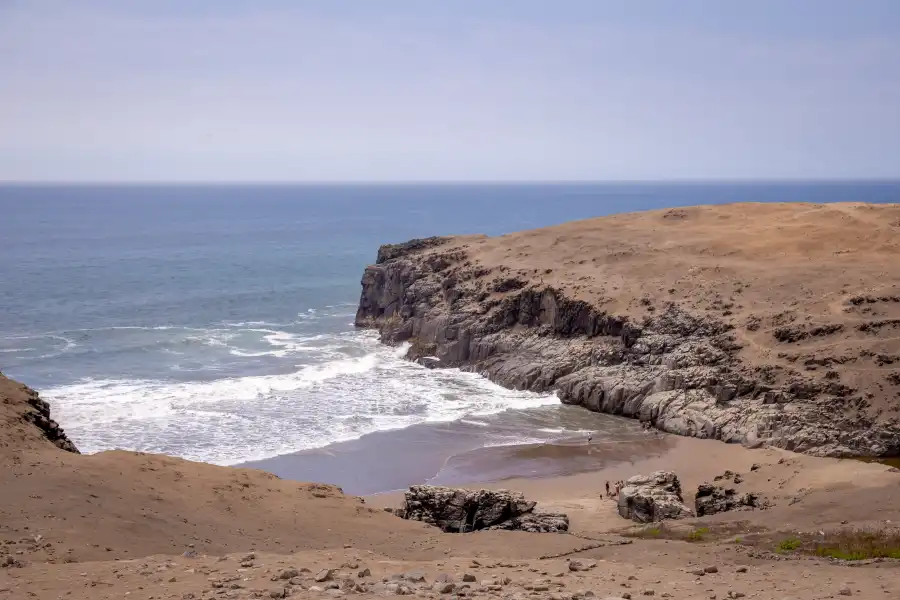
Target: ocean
(214,322)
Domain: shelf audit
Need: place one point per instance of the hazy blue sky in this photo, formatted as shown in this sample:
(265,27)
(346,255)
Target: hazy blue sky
(452,90)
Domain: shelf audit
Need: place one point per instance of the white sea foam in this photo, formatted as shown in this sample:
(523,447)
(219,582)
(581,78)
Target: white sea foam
(354,387)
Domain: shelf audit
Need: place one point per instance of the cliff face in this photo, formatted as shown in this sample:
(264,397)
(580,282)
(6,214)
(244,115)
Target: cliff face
(658,345)
(25,420)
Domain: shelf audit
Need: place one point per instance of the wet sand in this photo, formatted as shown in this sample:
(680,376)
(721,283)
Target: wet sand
(535,444)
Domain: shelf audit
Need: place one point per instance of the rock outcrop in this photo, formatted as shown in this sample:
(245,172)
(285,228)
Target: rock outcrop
(459,511)
(685,370)
(653,498)
(26,419)
(712,499)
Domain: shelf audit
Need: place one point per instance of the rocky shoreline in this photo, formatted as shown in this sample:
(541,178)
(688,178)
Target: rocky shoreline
(675,368)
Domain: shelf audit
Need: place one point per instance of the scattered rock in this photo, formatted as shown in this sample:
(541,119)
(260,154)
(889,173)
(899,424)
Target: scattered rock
(651,498)
(468,578)
(364,573)
(711,569)
(845,590)
(324,575)
(446,587)
(288,574)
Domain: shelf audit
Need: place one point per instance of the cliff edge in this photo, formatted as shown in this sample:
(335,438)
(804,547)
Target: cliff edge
(25,421)
(762,324)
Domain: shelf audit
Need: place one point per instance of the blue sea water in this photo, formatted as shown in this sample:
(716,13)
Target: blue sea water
(215,322)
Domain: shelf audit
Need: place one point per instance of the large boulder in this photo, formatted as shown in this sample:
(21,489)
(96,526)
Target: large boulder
(537,522)
(460,510)
(712,499)
(651,498)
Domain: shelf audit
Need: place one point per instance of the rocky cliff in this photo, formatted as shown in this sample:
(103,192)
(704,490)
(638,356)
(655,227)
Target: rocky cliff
(771,324)
(25,420)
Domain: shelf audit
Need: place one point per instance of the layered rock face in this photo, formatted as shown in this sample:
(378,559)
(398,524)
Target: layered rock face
(459,510)
(687,368)
(653,498)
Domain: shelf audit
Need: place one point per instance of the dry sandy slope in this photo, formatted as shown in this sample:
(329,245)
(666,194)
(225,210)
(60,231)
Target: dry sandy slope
(809,288)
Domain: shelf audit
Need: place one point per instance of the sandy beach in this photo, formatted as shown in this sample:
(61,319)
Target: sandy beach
(489,448)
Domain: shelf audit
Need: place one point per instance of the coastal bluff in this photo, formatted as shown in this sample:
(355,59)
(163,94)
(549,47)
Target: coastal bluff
(766,324)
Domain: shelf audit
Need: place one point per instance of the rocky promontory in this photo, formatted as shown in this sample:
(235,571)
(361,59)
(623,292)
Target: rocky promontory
(761,324)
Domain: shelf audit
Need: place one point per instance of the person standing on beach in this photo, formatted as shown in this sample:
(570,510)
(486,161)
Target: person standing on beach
(607,489)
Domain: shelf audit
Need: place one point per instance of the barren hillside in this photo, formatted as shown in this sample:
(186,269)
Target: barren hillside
(794,305)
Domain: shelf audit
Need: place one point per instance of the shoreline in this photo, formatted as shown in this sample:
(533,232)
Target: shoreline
(539,443)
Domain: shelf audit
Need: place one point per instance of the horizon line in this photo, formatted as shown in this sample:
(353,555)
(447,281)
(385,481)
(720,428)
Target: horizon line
(448,182)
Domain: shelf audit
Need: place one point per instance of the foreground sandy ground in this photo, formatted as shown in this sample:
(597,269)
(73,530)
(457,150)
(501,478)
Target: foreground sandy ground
(119,524)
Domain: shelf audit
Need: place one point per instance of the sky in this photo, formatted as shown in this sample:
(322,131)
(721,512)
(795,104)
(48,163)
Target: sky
(451,90)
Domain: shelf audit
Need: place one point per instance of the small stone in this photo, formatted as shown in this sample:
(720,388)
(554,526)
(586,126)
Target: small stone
(845,590)
(468,578)
(296,581)
(446,587)
(277,593)
(415,577)
(364,573)
(288,573)
(736,594)
(711,569)
(246,564)
(698,572)
(324,575)
(755,467)
(649,592)
(575,565)
(742,569)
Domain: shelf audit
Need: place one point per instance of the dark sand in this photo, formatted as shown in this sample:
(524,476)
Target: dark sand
(536,443)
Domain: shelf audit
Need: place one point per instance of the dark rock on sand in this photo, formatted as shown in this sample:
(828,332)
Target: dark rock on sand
(458,510)
(651,498)
(712,499)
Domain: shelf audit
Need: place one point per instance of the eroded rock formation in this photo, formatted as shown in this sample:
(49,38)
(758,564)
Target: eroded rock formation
(712,499)
(652,498)
(458,510)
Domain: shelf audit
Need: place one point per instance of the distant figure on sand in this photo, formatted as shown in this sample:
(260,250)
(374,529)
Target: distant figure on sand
(590,437)
(607,489)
